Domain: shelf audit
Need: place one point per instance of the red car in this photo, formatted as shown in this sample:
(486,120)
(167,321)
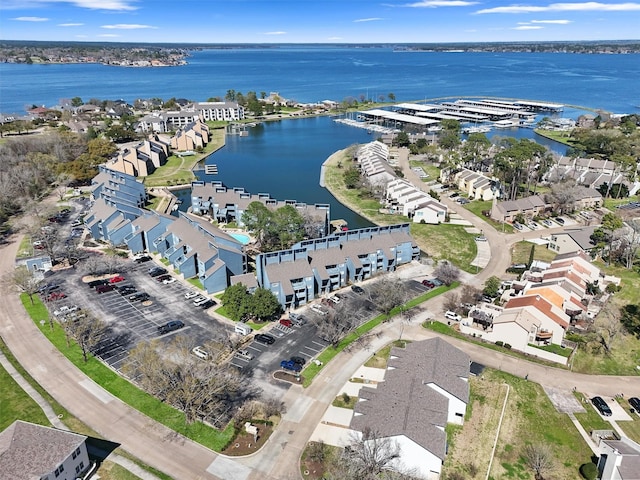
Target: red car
(428,284)
(56,296)
(116,279)
(286,322)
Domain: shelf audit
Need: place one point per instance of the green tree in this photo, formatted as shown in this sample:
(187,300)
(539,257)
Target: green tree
(631,318)
(351,178)
(76,102)
(610,223)
(491,286)
(235,299)
(392,97)
(256,218)
(230,96)
(287,226)
(263,305)
(402,139)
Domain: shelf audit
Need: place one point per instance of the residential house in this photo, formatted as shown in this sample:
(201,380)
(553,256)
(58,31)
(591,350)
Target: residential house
(373,160)
(403,197)
(39,264)
(35,452)
(425,387)
(475,185)
(141,160)
(313,267)
(619,460)
(508,210)
(191,137)
(572,239)
(226,205)
(119,189)
(219,111)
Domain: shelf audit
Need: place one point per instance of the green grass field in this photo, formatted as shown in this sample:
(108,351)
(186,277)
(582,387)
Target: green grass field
(477,207)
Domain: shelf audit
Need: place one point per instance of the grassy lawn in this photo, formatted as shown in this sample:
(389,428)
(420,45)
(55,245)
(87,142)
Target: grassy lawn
(342,401)
(553,348)
(590,419)
(442,242)
(561,137)
(630,428)
(310,372)
(25,249)
(431,170)
(17,405)
(121,388)
(178,170)
(477,207)
(380,358)
(521,251)
(526,405)
(195,281)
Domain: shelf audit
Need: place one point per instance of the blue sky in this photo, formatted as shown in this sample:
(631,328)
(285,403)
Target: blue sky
(322,21)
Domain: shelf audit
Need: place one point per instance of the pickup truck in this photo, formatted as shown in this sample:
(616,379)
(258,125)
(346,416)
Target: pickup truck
(290,365)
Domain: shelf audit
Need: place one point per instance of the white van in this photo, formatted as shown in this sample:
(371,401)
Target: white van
(452,316)
(243,329)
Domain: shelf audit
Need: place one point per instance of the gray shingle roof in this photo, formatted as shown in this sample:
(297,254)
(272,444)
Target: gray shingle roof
(406,404)
(29,451)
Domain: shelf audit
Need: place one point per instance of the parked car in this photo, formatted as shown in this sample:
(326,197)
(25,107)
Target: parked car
(201,300)
(547,223)
(97,283)
(162,278)
(286,322)
(290,365)
(169,280)
(200,352)
(298,360)
(139,297)
(297,319)
(126,289)
(116,279)
(481,238)
(357,289)
(437,282)
(56,296)
(428,283)
(602,406)
(265,339)
(104,288)
(335,299)
(635,403)
(517,226)
(319,310)
(559,220)
(157,271)
(48,288)
(171,326)
(244,355)
(191,294)
(208,304)
(65,310)
(449,315)
(142,258)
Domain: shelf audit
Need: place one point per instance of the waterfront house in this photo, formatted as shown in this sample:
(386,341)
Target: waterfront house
(29,451)
(426,386)
(403,197)
(191,137)
(373,160)
(141,160)
(218,111)
(119,189)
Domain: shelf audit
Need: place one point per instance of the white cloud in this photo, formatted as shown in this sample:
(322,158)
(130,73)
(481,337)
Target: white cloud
(70,24)
(275,33)
(372,19)
(108,35)
(553,22)
(565,7)
(126,26)
(117,5)
(527,27)
(334,39)
(31,19)
(438,3)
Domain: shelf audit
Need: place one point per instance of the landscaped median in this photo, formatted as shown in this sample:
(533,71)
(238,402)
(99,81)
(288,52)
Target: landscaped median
(123,389)
(309,373)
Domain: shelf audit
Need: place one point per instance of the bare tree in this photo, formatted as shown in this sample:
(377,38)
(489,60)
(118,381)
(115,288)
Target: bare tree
(87,331)
(447,272)
(608,327)
(336,325)
(539,457)
(451,302)
(387,294)
(469,294)
(24,280)
(369,457)
(61,184)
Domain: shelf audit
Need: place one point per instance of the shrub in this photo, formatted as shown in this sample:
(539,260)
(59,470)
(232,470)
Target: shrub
(499,343)
(589,471)
(507,346)
(346,398)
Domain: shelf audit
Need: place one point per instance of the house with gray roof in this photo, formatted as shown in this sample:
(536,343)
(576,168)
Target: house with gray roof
(225,205)
(572,240)
(620,459)
(34,452)
(317,266)
(425,387)
(118,189)
(508,210)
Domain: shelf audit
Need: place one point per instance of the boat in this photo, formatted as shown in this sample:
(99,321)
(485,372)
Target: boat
(478,129)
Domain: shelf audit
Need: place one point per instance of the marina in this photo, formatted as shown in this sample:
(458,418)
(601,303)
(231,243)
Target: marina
(476,116)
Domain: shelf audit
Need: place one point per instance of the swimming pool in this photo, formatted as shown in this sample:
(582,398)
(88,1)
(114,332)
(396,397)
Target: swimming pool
(241,237)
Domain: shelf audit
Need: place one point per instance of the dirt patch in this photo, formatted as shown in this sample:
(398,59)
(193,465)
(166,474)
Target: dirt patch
(245,443)
(288,377)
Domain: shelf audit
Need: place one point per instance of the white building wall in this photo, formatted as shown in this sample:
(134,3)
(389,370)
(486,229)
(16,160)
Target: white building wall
(415,460)
(457,408)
